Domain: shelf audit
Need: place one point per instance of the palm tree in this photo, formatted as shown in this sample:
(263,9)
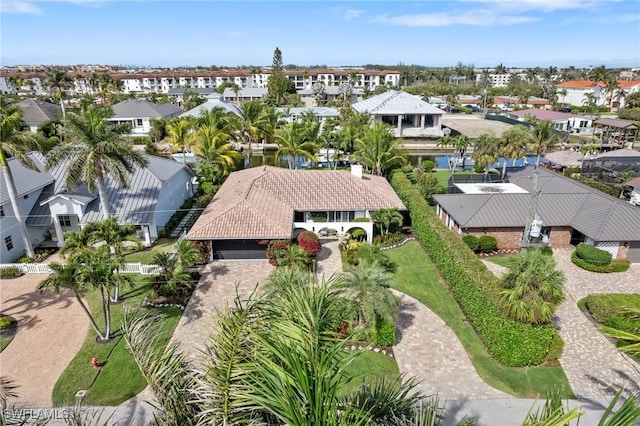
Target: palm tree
(214,146)
(293,257)
(563,92)
(633,339)
(513,145)
(93,149)
(378,150)
(58,82)
(542,138)
(180,135)
(15,143)
(532,287)
(385,218)
(254,122)
(188,253)
(77,240)
(367,284)
(485,151)
(293,142)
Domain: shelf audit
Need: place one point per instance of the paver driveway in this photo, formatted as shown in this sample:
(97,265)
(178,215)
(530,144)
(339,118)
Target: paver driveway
(51,330)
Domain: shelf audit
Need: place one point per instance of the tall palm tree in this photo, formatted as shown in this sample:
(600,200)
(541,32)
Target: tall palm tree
(214,146)
(485,151)
(15,143)
(444,143)
(180,135)
(254,122)
(532,287)
(513,145)
(93,149)
(378,150)
(542,138)
(367,284)
(58,82)
(293,142)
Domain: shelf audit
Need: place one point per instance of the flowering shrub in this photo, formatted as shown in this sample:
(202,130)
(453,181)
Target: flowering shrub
(309,242)
(273,248)
(388,239)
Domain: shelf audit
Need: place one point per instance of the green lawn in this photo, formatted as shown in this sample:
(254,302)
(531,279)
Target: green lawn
(369,366)
(417,277)
(500,260)
(162,245)
(4,342)
(119,379)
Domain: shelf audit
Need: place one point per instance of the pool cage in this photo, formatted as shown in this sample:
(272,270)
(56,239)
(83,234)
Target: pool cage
(608,170)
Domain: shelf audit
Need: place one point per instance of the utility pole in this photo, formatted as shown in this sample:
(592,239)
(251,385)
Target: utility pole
(532,213)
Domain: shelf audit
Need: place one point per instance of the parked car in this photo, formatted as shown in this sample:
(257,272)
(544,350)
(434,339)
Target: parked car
(473,108)
(506,108)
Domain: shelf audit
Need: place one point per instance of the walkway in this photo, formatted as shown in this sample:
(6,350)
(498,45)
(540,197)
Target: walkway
(594,367)
(51,331)
(428,350)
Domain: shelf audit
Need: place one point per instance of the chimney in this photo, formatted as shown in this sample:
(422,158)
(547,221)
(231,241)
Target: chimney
(356,170)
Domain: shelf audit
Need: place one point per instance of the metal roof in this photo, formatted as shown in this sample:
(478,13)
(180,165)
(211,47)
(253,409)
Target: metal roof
(25,179)
(616,153)
(317,111)
(331,90)
(180,91)
(394,102)
(211,103)
(612,122)
(138,108)
(562,202)
(245,92)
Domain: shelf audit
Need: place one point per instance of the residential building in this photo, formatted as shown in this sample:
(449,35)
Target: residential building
(408,115)
(271,203)
(215,100)
(570,213)
(328,94)
(562,121)
(139,113)
(177,94)
(50,209)
(321,114)
(578,92)
(635,191)
(244,94)
(36,113)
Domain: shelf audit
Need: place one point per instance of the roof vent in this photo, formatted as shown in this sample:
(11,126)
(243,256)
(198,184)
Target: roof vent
(356,170)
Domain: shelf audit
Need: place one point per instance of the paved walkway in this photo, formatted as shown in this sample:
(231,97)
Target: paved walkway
(217,289)
(594,367)
(329,259)
(428,350)
(51,331)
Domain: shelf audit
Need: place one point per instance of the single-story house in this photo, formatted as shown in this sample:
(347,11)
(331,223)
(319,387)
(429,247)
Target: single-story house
(245,94)
(177,93)
(321,114)
(330,93)
(271,203)
(571,213)
(215,100)
(50,209)
(407,114)
(139,113)
(635,191)
(35,113)
(562,121)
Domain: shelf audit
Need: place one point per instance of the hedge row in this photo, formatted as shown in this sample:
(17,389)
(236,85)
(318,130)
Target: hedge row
(593,255)
(511,343)
(616,265)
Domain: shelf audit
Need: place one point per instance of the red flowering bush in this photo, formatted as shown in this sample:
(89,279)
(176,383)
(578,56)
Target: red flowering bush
(309,242)
(273,248)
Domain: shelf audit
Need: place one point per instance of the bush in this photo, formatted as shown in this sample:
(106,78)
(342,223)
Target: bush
(389,239)
(427,165)
(5,322)
(511,343)
(385,333)
(309,242)
(472,242)
(10,272)
(361,219)
(487,243)
(546,250)
(359,234)
(593,255)
(616,265)
(273,248)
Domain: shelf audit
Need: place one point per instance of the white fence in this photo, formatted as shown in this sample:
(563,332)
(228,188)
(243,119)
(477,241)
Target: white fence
(43,268)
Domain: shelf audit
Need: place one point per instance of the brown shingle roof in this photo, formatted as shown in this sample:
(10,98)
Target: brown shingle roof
(259,203)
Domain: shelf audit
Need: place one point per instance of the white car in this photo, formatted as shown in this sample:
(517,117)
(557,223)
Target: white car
(506,108)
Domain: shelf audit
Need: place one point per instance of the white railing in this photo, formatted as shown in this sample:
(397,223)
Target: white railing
(174,249)
(43,268)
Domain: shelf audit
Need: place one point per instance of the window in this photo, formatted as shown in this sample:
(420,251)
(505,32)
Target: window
(26,196)
(1,211)
(139,122)
(8,242)
(65,221)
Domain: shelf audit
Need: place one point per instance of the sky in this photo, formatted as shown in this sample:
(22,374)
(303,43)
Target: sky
(483,33)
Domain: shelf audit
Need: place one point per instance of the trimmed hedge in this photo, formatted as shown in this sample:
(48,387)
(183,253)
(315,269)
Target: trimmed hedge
(487,243)
(511,343)
(385,333)
(472,242)
(593,255)
(616,265)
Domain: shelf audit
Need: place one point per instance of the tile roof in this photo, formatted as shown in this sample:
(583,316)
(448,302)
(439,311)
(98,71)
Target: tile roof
(635,182)
(562,202)
(35,112)
(579,84)
(260,202)
(137,108)
(394,102)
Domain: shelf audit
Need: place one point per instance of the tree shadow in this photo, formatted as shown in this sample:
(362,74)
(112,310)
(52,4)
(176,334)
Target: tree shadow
(21,306)
(405,316)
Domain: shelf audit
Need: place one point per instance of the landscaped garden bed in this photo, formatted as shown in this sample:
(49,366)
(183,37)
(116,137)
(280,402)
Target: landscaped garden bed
(8,330)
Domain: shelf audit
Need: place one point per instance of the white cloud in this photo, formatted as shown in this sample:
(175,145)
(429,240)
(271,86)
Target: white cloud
(474,18)
(17,6)
(353,13)
(517,6)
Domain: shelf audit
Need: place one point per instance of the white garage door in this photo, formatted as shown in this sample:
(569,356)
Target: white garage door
(610,246)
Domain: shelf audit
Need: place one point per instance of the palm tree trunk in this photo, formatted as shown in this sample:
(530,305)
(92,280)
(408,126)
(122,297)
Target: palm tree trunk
(504,166)
(13,197)
(361,318)
(102,194)
(92,321)
(64,112)
(106,312)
